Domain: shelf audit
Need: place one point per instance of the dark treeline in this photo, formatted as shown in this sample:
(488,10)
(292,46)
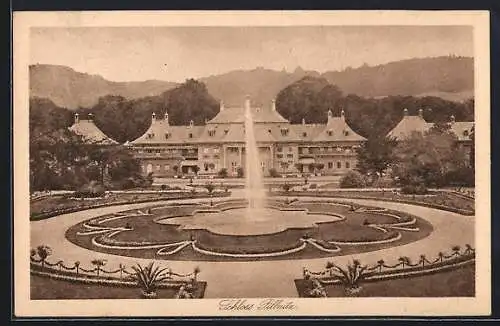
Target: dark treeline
(309,98)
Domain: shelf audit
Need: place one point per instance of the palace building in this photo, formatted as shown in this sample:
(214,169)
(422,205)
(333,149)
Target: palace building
(168,150)
(416,123)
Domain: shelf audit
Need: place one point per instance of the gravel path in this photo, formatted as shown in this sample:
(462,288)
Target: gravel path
(263,278)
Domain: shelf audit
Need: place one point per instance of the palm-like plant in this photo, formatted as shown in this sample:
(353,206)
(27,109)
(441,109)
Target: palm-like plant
(422,260)
(456,250)
(329,266)
(468,249)
(98,263)
(148,278)
(404,261)
(352,276)
(196,271)
(43,252)
(441,256)
(380,264)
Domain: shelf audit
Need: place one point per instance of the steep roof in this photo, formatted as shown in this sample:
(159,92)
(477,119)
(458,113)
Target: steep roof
(237,115)
(90,132)
(408,125)
(462,129)
(161,132)
(337,129)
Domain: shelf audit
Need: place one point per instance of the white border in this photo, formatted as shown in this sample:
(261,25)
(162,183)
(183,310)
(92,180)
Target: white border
(480,305)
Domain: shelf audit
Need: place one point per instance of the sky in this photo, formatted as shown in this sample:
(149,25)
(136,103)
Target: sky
(178,53)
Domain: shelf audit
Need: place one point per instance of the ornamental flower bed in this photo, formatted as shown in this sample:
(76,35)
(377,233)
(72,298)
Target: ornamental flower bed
(186,284)
(404,268)
(50,207)
(448,201)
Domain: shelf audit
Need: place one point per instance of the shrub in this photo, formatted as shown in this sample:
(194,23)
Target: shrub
(273,173)
(222,173)
(414,189)
(460,177)
(240,172)
(90,190)
(313,186)
(353,179)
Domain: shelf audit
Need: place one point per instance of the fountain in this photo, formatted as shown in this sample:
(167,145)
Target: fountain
(254,186)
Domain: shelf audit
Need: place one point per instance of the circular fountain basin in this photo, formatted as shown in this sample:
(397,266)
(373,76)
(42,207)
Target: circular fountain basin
(244,221)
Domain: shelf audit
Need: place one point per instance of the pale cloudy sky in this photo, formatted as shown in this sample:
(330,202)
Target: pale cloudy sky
(177,53)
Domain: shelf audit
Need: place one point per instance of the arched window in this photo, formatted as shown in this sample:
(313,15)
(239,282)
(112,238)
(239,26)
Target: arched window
(149,168)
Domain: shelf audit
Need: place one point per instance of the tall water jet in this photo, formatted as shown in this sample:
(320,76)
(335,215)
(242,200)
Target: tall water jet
(254,185)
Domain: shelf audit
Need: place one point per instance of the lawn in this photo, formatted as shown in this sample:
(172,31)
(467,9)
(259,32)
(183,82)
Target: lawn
(459,282)
(41,207)
(45,288)
(436,198)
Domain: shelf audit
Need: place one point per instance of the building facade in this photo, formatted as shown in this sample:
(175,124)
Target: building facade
(167,150)
(416,123)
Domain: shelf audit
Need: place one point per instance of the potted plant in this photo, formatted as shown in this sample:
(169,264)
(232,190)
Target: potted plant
(148,278)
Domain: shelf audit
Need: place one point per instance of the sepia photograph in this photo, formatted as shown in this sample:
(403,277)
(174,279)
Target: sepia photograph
(251,163)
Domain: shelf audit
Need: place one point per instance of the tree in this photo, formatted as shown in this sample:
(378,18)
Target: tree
(196,169)
(376,155)
(424,159)
(309,98)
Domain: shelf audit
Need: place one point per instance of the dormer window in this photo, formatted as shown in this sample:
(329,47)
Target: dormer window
(346,132)
(190,135)
(284,132)
(167,135)
(466,132)
(151,135)
(330,133)
(269,130)
(211,132)
(226,131)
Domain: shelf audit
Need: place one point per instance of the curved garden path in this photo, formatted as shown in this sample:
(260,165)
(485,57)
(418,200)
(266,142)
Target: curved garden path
(263,278)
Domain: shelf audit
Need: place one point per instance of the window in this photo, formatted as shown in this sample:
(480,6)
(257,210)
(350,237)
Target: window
(290,149)
(346,133)
(330,165)
(347,165)
(279,149)
(167,135)
(190,135)
(279,155)
(158,168)
(330,133)
(284,132)
(289,155)
(216,156)
(216,150)
(304,134)
(211,132)
(339,165)
(466,132)
(205,167)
